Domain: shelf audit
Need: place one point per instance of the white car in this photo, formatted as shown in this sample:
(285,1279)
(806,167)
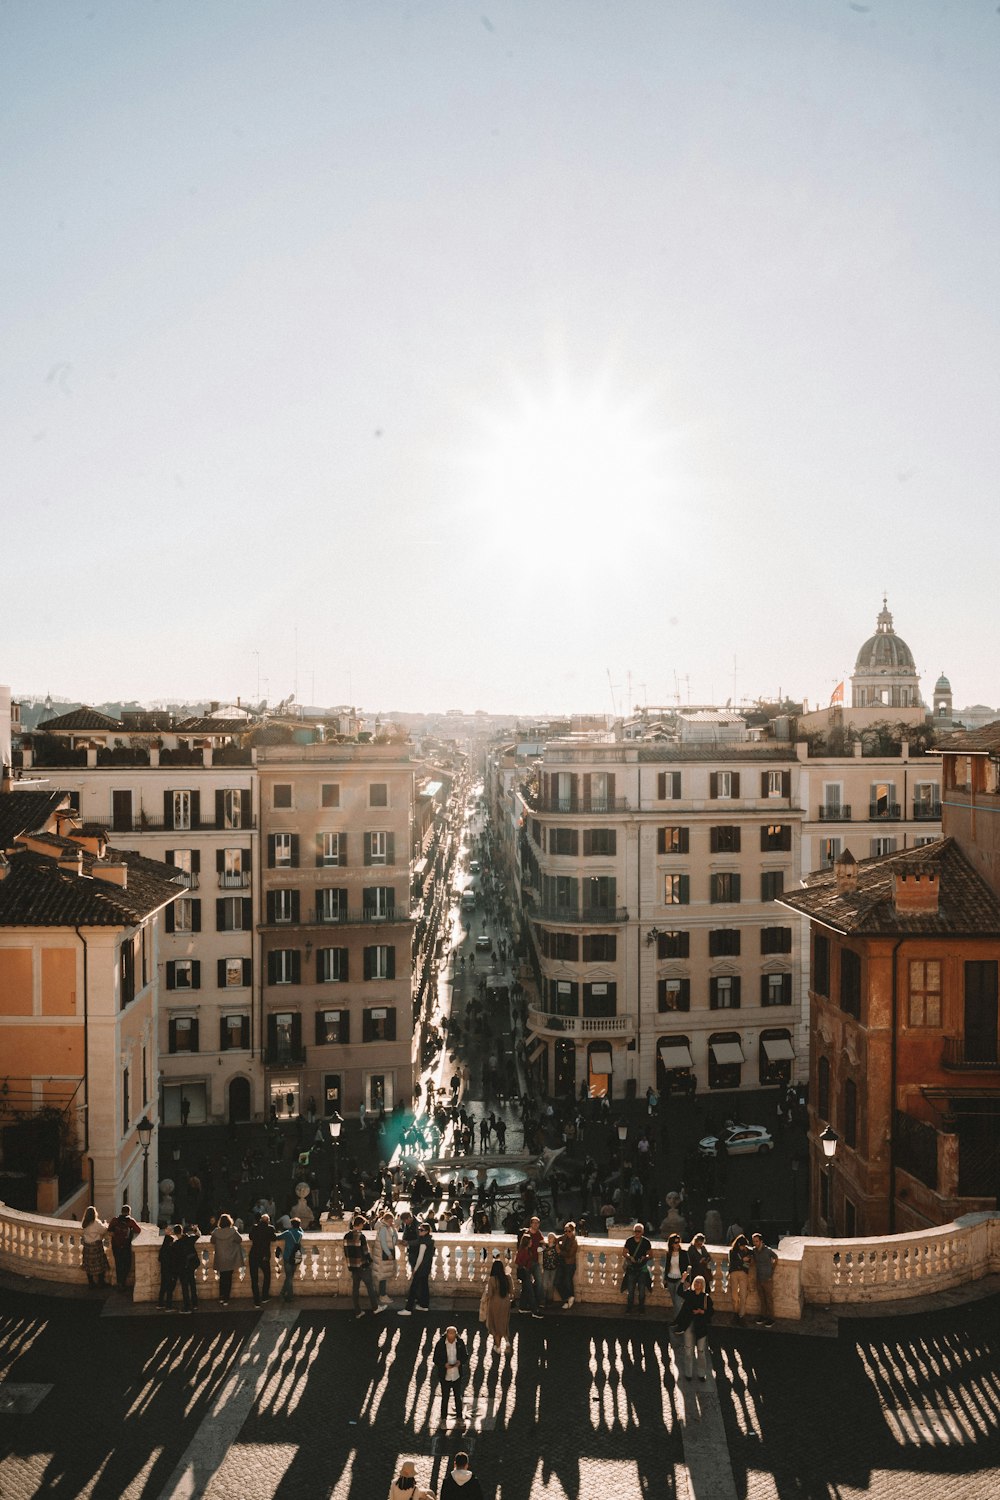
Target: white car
(738,1140)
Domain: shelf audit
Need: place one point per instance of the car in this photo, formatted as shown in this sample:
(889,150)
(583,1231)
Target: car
(483,943)
(738,1140)
(474,867)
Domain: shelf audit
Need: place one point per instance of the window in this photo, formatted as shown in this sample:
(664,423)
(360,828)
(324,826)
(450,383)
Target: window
(333,1028)
(331,965)
(186,914)
(676,890)
(232,809)
(564,946)
(331,903)
(563,841)
(281,794)
(282,851)
(882,800)
(284,1037)
(234,973)
(234,1033)
(284,966)
(183,1034)
(183,974)
(829,853)
(823,1088)
(673,994)
(234,914)
(776,783)
(378,902)
(925,992)
(600,948)
(331,849)
(833,799)
(724,784)
(724,887)
(772,883)
(775,940)
(850,983)
(126,972)
(850,1121)
(724,942)
(564,997)
(560,893)
(283,906)
(181,809)
(598,791)
(775,837)
(329,794)
(668,786)
(724,840)
(233,867)
(600,999)
(378,794)
(725,1060)
(380,962)
(926,800)
(821,964)
(379,848)
(564,791)
(724,992)
(380,1024)
(673,945)
(776,989)
(183,859)
(671,841)
(600,893)
(600,841)
(883,846)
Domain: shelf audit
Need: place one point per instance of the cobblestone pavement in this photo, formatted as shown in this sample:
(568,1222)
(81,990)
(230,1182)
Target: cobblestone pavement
(308,1402)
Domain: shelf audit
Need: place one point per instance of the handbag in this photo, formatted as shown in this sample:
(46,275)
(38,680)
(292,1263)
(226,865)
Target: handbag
(484,1303)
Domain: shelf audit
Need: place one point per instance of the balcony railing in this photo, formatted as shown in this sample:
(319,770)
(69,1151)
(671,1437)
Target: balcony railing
(572,1026)
(597,806)
(841,813)
(956,1059)
(234,880)
(888,812)
(142,822)
(283,1056)
(363,918)
(927,812)
(589,916)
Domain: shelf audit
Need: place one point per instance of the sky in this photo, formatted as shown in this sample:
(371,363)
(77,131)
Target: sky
(526,355)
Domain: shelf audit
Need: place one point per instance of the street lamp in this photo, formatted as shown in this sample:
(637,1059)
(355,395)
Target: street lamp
(829,1140)
(144,1130)
(622,1129)
(335,1126)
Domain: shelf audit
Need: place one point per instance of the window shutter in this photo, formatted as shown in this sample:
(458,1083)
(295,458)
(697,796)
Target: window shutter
(196,861)
(272,1033)
(220,809)
(736,887)
(244,1032)
(295,851)
(764,782)
(737,831)
(713,838)
(296,1032)
(611,789)
(296,966)
(368,965)
(168,809)
(220,861)
(586,789)
(713,784)
(661,841)
(319,966)
(196,916)
(367,1028)
(342,848)
(735,783)
(247,914)
(675,777)
(248,971)
(319,850)
(295,906)
(588,842)
(194,1034)
(763,838)
(168,918)
(168,858)
(786,783)
(272,897)
(391,963)
(390,1024)
(270,851)
(786,835)
(171,1030)
(390,848)
(220,914)
(320,1032)
(246,808)
(245,861)
(272,969)
(196,809)
(685,889)
(170,986)
(661,786)
(737,982)
(220,973)
(223,1035)
(368,848)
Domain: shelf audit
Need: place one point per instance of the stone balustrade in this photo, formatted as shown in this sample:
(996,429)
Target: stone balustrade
(820,1272)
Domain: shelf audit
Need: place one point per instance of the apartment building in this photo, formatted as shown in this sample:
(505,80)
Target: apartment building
(336,929)
(79,980)
(872,804)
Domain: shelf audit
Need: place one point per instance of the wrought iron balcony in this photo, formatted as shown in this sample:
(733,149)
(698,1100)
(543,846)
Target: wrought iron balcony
(927,812)
(888,812)
(283,1055)
(234,880)
(589,916)
(841,813)
(956,1059)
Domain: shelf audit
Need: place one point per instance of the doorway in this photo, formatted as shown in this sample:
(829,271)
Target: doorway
(239,1101)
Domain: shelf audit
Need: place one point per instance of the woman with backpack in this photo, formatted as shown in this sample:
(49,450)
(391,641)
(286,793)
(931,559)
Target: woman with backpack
(291,1255)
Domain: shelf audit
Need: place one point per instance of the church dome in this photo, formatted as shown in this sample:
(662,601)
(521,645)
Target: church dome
(885,651)
(942,685)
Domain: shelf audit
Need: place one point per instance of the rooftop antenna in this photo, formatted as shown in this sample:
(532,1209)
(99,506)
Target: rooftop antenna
(614,706)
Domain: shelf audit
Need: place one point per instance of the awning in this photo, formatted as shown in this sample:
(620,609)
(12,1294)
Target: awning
(675,1055)
(727,1052)
(778,1049)
(536,1051)
(600,1060)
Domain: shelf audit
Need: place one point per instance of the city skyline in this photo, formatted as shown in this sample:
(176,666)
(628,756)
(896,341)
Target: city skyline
(429,357)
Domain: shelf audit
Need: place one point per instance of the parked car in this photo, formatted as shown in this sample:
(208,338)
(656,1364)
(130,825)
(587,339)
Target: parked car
(738,1140)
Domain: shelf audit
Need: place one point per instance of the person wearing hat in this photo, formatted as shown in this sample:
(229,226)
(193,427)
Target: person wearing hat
(419,1296)
(405,1486)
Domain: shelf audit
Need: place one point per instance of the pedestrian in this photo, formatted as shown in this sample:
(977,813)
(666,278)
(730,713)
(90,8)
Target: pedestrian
(185,1108)
(537,1241)
(451,1366)
(291,1255)
(484,1136)
(405,1486)
(419,1296)
(359,1263)
(95,1258)
(524,1261)
(461,1483)
(569,1248)
(636,1278)
(550,1268)
(168,1276)
(227,1243)
(262,1238)
(700,1262)
(765,1259)
(186,1261)
(494,1308)
(692,1320)
(740,1261)
(122,1231)
(386,1244)
(676,1269)
(501,1134)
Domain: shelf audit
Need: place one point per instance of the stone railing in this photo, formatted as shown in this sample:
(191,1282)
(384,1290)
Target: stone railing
(809,1271)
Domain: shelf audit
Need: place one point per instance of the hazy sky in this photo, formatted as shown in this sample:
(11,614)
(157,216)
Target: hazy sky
(493,347)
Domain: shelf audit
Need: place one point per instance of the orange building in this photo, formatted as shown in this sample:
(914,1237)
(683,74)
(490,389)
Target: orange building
(78,1001)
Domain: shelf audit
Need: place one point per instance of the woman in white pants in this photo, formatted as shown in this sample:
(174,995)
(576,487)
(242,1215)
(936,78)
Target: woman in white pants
(693,1320)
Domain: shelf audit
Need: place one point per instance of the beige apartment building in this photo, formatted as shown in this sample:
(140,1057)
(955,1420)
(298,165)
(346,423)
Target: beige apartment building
(336,929)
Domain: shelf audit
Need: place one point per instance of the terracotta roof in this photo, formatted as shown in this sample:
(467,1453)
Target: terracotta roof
(967,904)
(971,741)
(214,726)
(26,812)
(80,718)
(36,893)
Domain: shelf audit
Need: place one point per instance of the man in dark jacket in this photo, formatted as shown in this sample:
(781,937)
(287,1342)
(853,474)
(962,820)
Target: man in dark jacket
(420,1289)
(262,1238)
(451,1367)
(123,1230)
(185,1250)
(168,1276)
(636,1252)
(461,1483)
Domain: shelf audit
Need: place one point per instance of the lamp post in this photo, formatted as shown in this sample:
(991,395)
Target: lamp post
(336,1125)
(829,1140)
(144,1130)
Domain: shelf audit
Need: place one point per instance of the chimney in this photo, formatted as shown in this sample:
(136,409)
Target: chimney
(66,822)
(846,870)
(111,871)
(916,889)
(71,860)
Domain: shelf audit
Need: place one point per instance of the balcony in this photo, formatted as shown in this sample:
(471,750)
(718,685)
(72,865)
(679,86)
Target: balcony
(839,814)
(142,822)
(886,812)
(927,812)
(543,1024)
(572,806)
(587,916)
(363,918)
(955,1058)
(234,880)
(283,1055)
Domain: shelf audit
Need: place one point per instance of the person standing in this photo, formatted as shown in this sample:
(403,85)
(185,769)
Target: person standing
(185,1251)
(185,1108)
(262,1238)
(95,1260)
(497,1302)
(676,1266)
(359,1263)
(461,1483)
(451,1365)
(637,1278)
(229,1256)
(168,1276)
(386,1241)
(692,1320)
(765,1259)
(569,1249)
(537,1241)
(740,1261)
(123,1230)
(419,1296)
(291,1255)
(523,1263)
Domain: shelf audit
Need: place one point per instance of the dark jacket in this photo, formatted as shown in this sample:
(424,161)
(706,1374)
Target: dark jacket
(184,1254)
(440,1358)
(696,1308)
(262,1237)
(683,1262)
(471,1489)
